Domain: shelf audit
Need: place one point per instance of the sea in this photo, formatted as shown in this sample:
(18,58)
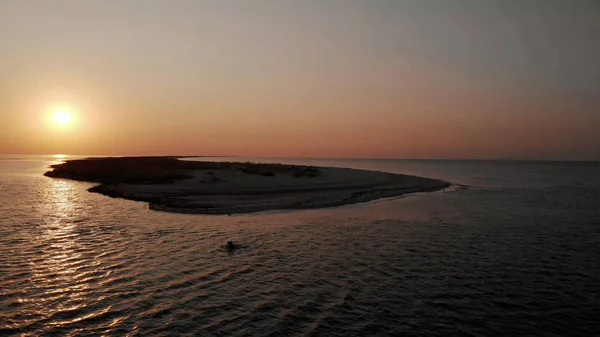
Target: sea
(511,249)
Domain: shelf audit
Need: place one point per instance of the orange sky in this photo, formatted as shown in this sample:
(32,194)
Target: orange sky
(349,78)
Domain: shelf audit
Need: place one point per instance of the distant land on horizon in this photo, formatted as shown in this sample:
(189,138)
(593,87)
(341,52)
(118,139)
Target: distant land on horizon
(58,155)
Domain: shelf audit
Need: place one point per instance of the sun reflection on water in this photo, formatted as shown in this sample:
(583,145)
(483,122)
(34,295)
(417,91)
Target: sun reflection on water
(58,159)
(59,268)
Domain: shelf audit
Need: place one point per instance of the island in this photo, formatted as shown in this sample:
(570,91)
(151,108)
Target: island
(203,187)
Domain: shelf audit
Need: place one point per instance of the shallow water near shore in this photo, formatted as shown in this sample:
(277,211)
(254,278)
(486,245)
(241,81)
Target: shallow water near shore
(511,249)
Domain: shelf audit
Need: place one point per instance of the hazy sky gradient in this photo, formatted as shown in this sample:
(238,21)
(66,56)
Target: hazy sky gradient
(311,78)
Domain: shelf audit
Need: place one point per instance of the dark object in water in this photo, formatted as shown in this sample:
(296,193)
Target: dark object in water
(230,246)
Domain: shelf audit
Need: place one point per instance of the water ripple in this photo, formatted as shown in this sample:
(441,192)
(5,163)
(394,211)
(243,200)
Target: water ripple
(471,261)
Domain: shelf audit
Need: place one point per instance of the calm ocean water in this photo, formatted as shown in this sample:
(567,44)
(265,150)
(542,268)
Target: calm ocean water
(512,250)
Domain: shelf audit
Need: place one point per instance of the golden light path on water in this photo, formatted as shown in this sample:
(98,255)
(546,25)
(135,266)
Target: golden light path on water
(65,269)
(55,273)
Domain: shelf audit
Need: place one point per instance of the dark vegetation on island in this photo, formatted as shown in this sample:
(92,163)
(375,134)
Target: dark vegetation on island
(160,170)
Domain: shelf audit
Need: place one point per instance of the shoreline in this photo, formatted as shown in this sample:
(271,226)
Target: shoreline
(171,185)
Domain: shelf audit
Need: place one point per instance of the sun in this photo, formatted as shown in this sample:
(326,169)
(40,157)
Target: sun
(62,117)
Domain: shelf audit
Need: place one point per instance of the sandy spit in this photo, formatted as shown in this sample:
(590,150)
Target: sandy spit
(230,192)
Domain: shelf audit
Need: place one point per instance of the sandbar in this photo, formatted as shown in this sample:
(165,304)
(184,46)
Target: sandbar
(182,186)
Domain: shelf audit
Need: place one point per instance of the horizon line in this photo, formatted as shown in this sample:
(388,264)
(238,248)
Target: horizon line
(507,159)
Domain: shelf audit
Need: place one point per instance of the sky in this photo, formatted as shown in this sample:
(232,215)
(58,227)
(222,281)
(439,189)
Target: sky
(465,79)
